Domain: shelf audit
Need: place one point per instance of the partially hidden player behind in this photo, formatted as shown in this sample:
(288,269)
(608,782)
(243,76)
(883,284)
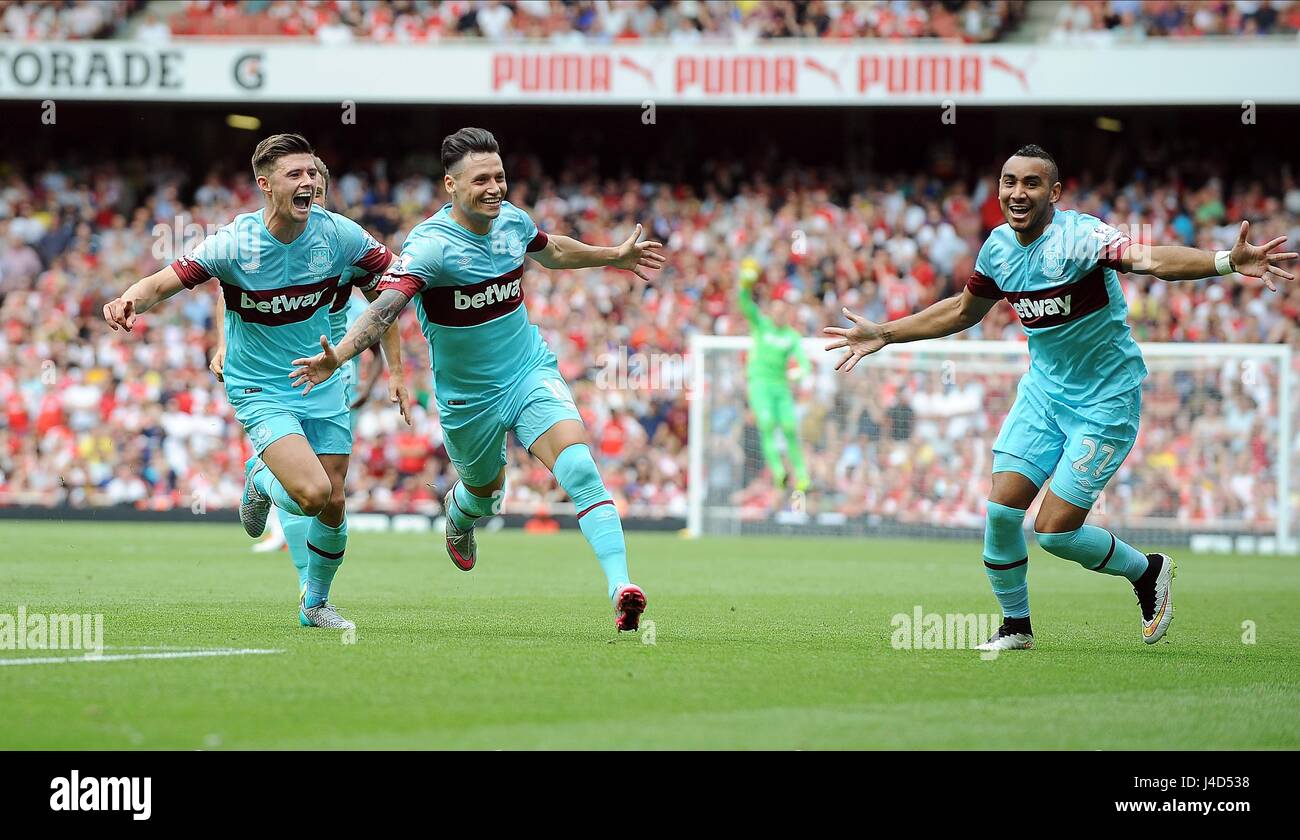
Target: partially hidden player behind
(492,370)
(289,530)
(771,391)
(1075,417)
(279,270)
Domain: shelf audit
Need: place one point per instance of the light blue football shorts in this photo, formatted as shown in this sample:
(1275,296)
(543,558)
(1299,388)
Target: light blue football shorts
(1079,447)
(475,435)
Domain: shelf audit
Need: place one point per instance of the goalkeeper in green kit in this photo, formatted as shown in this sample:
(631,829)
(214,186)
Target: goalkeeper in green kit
(771,392)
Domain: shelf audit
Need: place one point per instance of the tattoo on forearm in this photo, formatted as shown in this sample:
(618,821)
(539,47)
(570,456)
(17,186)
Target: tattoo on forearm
(375,321)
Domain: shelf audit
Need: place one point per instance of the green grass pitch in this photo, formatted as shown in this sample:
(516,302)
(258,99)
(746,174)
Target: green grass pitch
(758,643)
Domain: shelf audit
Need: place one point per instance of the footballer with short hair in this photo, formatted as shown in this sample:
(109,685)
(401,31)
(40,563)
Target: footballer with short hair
(289,530)
(1075,416)
(279,270)
(493,372)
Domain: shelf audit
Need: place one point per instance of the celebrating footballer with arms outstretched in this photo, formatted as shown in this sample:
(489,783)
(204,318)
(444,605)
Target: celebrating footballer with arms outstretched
(492,371)
(1076,412)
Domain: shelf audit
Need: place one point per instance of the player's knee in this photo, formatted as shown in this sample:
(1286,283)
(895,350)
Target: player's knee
(1060,543)
(1001,519)
(337,500)
(313,496)
(1055,522)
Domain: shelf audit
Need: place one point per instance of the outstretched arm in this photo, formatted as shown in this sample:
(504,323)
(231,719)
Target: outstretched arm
(1176,262)
(935,321)
(636,257)
(142,296)
(369,327)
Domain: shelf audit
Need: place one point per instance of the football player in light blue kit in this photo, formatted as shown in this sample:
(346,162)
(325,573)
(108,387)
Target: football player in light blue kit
(289,530)
(1075,417)
(492,370)
(279,270)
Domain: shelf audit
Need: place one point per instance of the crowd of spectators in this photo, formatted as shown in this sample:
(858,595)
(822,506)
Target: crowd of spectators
(48,20)
(599,21)
(1105,21)
(564,22)
(579,22)
(95,417)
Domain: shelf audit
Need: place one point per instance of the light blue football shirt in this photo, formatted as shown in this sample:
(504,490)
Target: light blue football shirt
(1064,289)
(278,297)
(471,303)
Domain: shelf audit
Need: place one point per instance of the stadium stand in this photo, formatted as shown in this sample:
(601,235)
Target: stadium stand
(90,419)
(589,21)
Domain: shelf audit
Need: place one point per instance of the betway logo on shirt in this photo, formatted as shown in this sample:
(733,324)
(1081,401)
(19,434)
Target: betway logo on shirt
(493,294)
(276,307)
(1039,308)
(477,303)
(280,303)
(1061,304)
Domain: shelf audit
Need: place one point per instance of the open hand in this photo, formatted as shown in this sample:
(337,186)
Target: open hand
(862,339)
(640,257)
(314,371)
(1260,260)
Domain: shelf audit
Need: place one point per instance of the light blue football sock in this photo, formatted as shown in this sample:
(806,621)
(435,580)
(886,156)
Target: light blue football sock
(268,485)
(1097,550)
(597,516)
(325,546)
(466,508)
(295,535)
(1006,558)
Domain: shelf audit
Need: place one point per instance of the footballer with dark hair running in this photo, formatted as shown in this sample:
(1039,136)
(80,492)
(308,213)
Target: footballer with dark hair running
(492,371)
(1076,412)
(279,270)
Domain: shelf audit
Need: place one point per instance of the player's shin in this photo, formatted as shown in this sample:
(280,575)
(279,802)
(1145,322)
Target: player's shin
(1097,550)
(1006,558)
(325,547)
(295,535)
(598,518)
(466,508)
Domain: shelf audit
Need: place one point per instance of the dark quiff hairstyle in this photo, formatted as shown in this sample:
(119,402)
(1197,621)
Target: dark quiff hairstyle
(277,146)
(466,141)
(1035,151)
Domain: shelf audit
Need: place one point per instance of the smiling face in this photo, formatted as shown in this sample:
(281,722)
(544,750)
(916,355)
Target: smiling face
(477,184)
(291,187)
(1027,193)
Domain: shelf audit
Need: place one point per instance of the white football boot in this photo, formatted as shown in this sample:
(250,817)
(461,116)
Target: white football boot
(1006,639)
(1156,599)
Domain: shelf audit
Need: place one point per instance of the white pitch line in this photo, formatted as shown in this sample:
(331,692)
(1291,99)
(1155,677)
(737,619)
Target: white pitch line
(159,647)
(119,657)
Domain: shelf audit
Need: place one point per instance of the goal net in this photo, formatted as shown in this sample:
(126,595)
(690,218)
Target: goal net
(902,446)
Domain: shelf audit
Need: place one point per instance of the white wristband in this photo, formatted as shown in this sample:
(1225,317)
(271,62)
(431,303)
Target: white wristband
(1223,262)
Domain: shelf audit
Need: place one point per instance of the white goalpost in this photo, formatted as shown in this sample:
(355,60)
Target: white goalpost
(902,445)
